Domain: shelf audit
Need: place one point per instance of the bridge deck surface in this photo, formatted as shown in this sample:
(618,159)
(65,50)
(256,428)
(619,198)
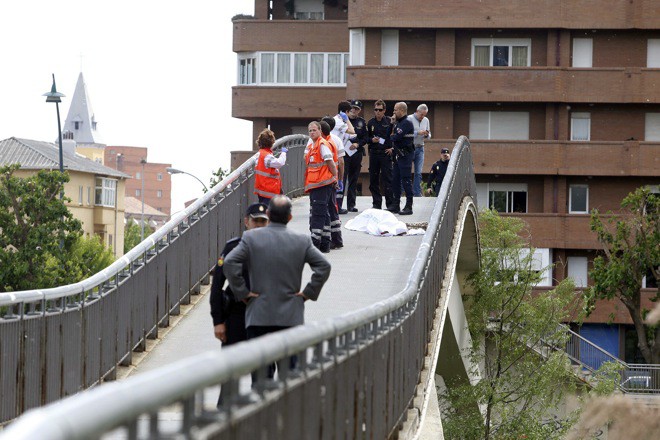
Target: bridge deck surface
(367,270)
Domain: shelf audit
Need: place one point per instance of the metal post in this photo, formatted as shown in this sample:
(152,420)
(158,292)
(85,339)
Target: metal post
(143,161)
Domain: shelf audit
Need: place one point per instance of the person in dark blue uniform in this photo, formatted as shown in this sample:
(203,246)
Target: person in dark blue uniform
(380,162)
(227,313)
(402,138)
(354,148)
(437,174)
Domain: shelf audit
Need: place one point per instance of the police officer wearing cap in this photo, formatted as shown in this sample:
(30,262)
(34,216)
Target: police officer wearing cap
(354,147)
(227,313)
(437,174)
(380,162)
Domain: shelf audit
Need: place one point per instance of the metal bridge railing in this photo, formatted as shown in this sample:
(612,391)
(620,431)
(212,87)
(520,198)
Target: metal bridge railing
(57,342)
(634,378)
(355,378)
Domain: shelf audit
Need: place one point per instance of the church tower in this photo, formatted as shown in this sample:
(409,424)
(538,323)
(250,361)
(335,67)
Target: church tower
(81,125)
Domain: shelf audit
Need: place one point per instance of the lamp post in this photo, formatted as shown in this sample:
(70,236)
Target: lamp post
(54,96)
(171,170)
(142,161)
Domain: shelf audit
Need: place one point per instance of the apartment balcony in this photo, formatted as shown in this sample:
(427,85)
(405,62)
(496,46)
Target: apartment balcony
(249,102)
(505,84)
(502,14)
(290,35)
(551,158)
(560,231)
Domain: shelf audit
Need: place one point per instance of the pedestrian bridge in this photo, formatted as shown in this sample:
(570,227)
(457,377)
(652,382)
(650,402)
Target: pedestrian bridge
(389,321)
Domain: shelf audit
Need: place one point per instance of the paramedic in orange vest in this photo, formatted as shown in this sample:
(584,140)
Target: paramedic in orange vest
(267,183)
(320,179)
(336,240)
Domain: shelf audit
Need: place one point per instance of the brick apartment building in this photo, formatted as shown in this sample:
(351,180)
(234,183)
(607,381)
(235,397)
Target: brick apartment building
(561,101)
(157,182)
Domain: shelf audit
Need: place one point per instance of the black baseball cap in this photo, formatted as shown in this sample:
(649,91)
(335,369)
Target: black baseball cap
(444,150)
(257,210)
(356,103)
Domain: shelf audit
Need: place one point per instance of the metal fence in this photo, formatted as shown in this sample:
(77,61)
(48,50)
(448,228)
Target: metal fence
(57,342)
(356,375)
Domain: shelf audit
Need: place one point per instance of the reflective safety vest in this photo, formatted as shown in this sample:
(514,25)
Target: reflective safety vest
(333,148)
(267,182)
(317,173)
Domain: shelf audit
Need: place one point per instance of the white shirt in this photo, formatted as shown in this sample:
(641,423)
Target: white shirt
(275,162)
(424,124)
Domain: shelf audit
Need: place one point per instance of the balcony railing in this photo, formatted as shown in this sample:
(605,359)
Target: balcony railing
(288,35)
(251,102)
(566,14)
(505,84)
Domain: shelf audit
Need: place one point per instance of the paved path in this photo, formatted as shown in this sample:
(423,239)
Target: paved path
(367,270)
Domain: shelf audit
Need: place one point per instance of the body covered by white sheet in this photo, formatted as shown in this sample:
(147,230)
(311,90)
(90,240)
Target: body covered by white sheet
(377,222)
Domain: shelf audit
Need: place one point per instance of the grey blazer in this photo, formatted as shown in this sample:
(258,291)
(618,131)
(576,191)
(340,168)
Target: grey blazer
(275,257)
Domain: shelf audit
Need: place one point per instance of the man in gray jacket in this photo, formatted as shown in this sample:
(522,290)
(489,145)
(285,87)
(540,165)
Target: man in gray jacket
(275,258)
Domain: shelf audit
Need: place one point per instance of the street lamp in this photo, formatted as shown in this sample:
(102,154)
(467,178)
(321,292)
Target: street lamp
(143,161)
(54,96)
(171,170)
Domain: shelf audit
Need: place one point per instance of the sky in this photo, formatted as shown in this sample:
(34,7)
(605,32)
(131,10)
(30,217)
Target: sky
(158,73)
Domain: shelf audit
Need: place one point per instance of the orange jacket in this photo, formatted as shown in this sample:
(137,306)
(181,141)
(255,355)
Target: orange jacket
(317,173)
(267,182)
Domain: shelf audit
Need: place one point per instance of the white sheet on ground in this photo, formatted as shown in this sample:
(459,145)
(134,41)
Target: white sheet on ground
(380,223)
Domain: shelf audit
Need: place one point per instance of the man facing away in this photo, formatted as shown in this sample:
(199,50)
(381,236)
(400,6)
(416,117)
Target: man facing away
(343,129)
(437,174)
(403,149)
(354,147)
(422,132)
(380,156)
(275,257)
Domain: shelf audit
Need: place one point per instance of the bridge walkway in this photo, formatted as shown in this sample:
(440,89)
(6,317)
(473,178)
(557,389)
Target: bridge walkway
(368,269)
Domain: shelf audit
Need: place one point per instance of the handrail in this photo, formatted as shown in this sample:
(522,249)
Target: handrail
(139,251)
(356,341)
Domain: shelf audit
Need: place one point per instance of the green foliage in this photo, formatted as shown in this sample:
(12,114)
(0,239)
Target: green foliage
(523,379)
(132,234)
(631,248)
(41,243)
(217,177)
(37,231)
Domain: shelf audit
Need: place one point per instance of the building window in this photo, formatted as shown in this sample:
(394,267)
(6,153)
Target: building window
(583,52)
(110,243)
(138,175)
(308,10)
(298,68)
(507,198)
(89,196)
(577,269)
(389,47)
(578,199)
(652,127)
(80,195)
(247,69)
(501,52)
(499,125)
(76,125)
(159,176)
(159,193)
(580,126)
(138,193)
(357,46)
(106,191)
(653,53)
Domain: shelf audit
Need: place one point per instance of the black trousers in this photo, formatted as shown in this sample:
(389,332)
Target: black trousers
(335,223)
(254,331)
(352,167)
(402,177)
(380,175)
(319,223)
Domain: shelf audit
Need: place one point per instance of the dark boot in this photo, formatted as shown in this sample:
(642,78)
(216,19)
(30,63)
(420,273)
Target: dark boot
(407,210)
(394,209)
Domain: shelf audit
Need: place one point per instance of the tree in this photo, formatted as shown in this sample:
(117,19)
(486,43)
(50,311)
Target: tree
(133,234)
(36,229)
(631,249)
(523,380)
(217,177)
(41,243)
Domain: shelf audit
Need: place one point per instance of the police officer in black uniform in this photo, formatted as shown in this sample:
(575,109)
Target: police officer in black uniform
(402,138)
(380,161)
(353,163)
(437,174)
(227,313)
